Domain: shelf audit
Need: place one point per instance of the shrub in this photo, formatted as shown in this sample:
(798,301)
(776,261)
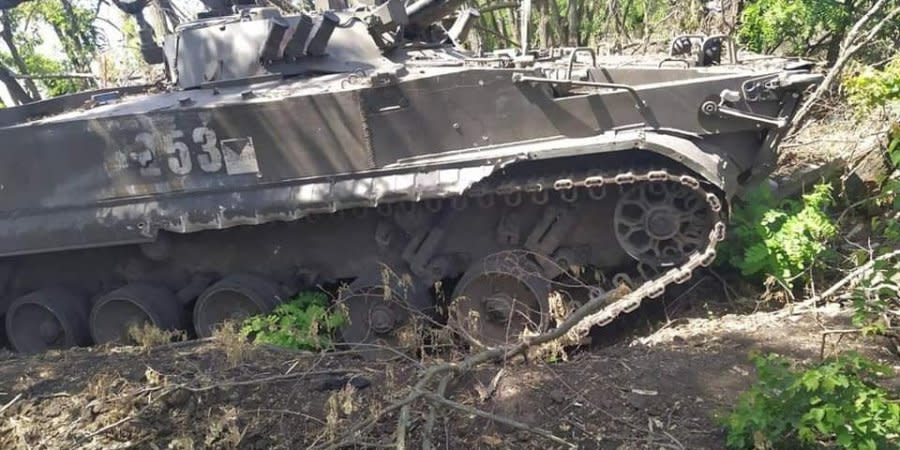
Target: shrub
(768,24)
(834,404)
(869,87)
(878,293)
(780,240)
(303,323)
(876,296)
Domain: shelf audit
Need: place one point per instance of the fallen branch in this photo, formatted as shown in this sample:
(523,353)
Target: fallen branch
(117,423)
(852,276)
(576,323)
(826,333)
(56,76)
(264,380)
(504,420)
(10,403)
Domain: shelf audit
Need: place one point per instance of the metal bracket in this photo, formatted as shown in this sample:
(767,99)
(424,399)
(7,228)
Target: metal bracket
(710,108)
(522,78)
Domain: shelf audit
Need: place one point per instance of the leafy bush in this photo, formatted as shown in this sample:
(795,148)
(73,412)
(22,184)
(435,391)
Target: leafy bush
(780,240)
(869,87)
(834,404)
(876,296)
(891,187)
(768,24)
(878,293)
(303,323)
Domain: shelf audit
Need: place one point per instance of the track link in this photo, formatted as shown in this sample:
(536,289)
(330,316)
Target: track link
(540,193)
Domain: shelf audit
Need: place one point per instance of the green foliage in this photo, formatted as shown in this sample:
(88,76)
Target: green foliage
(780,240)
(869,87)
(835,404)
(891,186)
(876,296)
(304,323)
(878,293)
(768,24)
(73,27)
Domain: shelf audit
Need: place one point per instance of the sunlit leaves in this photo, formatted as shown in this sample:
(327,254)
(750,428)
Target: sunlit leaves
(780,240)
(304,323)
(835,403)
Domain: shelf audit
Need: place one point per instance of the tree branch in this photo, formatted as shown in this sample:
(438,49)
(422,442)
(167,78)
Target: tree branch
(504,420)
(853,42)
(55,76)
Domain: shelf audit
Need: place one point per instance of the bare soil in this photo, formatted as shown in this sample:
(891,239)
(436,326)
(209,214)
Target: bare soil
(662,389)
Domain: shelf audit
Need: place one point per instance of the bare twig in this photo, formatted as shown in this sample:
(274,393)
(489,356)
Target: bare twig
(289,413)
(116,423)
(578,322)
(828,332)
(432,415)
(852,43)
(849,278)
(264,380)
(55,76)
(504,420)
(10,403)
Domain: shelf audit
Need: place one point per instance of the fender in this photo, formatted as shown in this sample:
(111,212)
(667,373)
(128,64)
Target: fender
(704,158)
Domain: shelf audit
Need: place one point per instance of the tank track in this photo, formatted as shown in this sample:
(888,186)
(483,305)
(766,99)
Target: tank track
(513,188)
(651,288)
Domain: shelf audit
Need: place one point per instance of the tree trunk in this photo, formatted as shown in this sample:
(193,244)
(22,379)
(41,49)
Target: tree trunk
(560,35)
(18,95)
(81,40)
(77,38)
(647,6)
(834,47)
(574,23)
(7,35)
(543,31)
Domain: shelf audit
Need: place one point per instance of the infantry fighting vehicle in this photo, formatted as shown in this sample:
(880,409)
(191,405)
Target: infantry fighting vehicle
(362,146)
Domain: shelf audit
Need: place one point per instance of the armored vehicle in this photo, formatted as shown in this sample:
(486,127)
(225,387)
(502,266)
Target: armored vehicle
(363,147)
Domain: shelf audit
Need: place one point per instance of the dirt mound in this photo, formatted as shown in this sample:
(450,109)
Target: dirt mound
(659,391)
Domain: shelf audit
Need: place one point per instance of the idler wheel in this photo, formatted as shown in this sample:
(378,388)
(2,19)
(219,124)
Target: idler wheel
(383,309)
(234,299)
(500,297)
(47,319)
(114,314)
(662,223)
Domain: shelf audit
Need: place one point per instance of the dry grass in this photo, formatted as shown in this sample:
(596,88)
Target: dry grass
(340,404)
(233,343)
(147,336)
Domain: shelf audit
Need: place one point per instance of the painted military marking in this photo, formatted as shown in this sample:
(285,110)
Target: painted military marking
(240,156)
(184,153)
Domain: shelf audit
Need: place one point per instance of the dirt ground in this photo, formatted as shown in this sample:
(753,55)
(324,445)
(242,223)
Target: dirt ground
(661,387)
